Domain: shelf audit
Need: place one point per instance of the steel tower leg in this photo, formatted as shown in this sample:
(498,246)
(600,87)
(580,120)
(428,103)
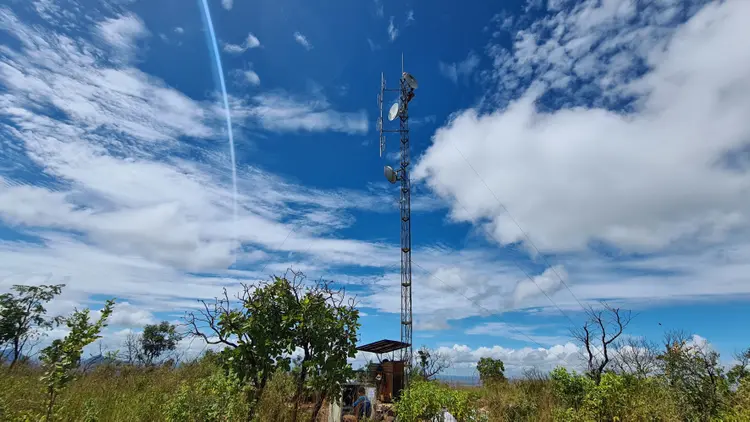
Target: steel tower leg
(405,205)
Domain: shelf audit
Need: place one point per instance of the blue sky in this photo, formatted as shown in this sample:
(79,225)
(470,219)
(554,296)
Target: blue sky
(564,152)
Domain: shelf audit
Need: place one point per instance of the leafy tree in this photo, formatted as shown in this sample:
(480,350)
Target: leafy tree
(491,370)
(694,374)
(23,316)
(325,324)
(63,356)
(741,370)
(157,339)
(254,330)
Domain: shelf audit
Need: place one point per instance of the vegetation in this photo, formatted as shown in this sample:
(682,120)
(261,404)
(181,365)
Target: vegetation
(23,317)
(282,350)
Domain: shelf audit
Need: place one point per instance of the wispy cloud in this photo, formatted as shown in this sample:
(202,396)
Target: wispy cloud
(379,8)
(517,332)
(409,17)
(179,30)
(227,4)
(287,113)
(462,69)
(392,30)
(372,45)
(302,40)
(251,42)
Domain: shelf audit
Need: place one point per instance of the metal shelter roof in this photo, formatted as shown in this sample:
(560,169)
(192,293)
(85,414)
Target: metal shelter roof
(383,346)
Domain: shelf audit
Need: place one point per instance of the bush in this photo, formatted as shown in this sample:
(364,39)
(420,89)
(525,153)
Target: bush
(212,399)
(426,400)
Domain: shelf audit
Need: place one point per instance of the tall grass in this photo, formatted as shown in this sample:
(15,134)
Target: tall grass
(199,391)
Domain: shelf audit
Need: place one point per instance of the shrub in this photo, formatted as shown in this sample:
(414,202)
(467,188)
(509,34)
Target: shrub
(426,400)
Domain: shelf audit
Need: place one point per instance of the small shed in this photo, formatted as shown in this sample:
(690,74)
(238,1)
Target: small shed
(389,375)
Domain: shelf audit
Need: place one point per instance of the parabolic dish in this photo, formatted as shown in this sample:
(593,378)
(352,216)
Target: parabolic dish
(410,80)
(393,112)
(390,174)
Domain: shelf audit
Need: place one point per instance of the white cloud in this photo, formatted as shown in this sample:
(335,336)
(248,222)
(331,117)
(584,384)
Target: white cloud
(409,17)
(392,30)
(549,282)
(462,69)
(250,42)
(379,8)
(372,45)
(282,112)
(122,33)
(517,332)
(251,77)
(516,360)
(179,30)
(302,40)
(227,4)
(114,201)
(641,180)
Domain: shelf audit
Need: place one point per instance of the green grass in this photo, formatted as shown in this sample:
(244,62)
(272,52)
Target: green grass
(199,392)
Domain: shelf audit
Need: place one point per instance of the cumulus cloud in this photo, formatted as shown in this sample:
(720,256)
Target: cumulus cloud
(122,33)
(250,42)
(302,40)
(251,77)
(640,179)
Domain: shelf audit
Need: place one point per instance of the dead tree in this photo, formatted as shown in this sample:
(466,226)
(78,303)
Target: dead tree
(432,362)
(602,328)
(636,356)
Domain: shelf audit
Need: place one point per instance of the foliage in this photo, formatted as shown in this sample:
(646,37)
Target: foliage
(426,400)
(695,375)
(271,321)
(741,370)
(491,370)
(22,316)
(64,355)
(570,387)
(255,335)
(215,398)
(157,339)
(324,325)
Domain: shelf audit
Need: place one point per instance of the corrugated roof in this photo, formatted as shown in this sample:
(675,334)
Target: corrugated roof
(383,346)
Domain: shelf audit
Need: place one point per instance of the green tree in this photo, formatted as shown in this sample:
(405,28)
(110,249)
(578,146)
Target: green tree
(491,370)
(64,355)
(333,324)
(325,323)
(156,340)
(694,373)
(23,316)
(741,370)
(255,331)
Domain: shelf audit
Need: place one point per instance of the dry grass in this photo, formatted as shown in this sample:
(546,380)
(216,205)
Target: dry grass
(199,392)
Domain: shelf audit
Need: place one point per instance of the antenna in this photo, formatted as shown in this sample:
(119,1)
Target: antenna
(400,109)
